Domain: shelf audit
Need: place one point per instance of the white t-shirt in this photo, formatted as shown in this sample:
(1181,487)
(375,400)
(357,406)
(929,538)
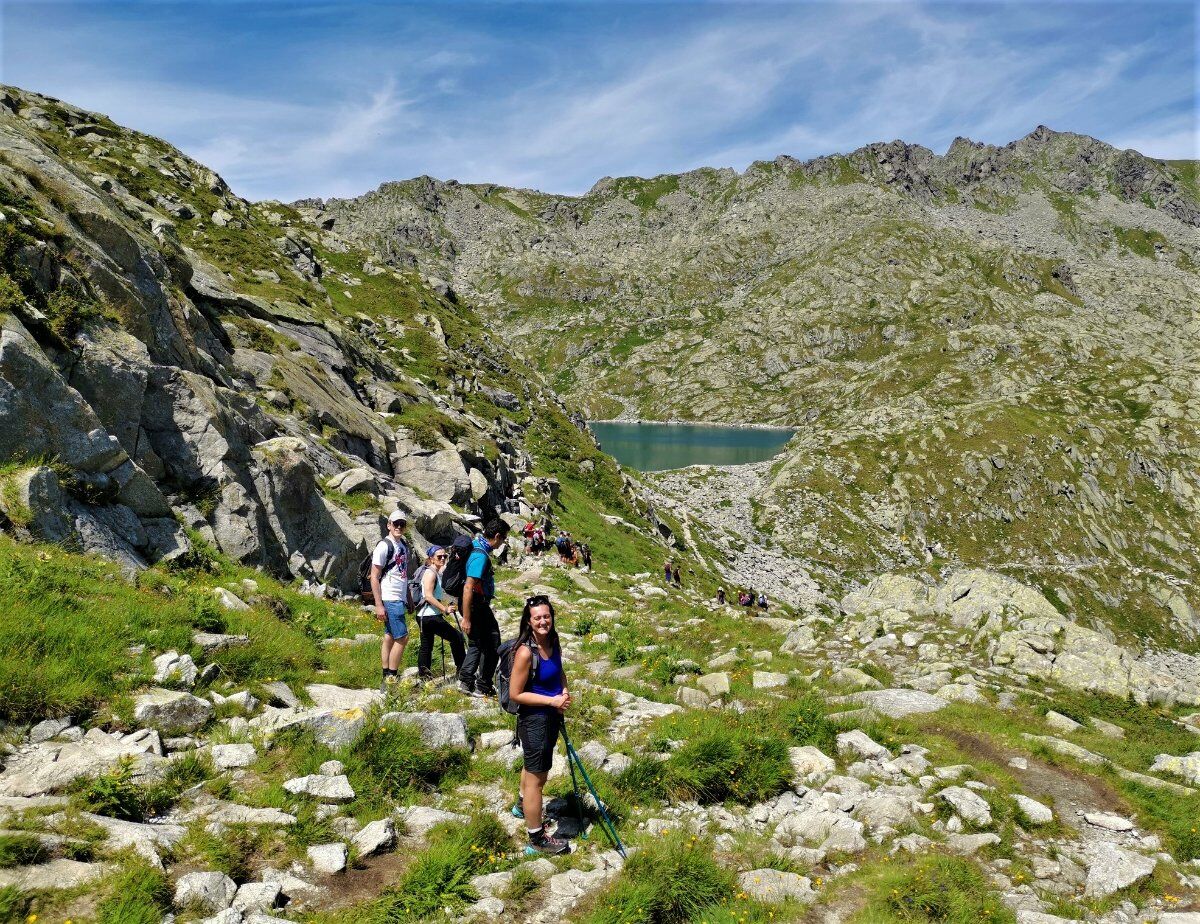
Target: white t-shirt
(394,584)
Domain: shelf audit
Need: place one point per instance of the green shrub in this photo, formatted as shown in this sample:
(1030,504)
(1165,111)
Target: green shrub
(739,764)
(391,761)
(440,877)
(137,894)
(522,883)
(230,852)
(933,888)
(805,722)
(21,850)
(116,795)
(670,881)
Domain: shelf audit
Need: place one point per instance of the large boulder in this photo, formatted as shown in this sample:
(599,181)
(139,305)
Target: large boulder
(48,767)
(437,473)
(438,729)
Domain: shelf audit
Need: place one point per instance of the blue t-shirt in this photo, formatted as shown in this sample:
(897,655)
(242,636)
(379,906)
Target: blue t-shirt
(548,679)
(479,566)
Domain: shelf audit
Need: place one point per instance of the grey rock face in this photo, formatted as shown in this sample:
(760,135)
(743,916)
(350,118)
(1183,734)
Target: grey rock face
(437,729)
(1112,868)
(774,887)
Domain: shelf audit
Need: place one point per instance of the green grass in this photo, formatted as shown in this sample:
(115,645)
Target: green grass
(721,759)
(931,888)
(440,876)
(672,880)
(1139,241)
(67,620)
(391,762)
(21,850)
(136,894)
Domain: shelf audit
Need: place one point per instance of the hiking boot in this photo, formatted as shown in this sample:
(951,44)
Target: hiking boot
(464,687)
(517,810)
(485,694)
(547,844)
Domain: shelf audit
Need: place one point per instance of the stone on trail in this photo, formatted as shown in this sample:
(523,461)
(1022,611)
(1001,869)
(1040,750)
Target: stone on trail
(690,696)
(229,600)
(857,742)
(716,684)
(281,694)
(256,896)
(47,729)
(1108,821)
(327,859)
(1026,916)
(329,696)
(774,887)
(174,667)
(1034,811)
(809,763)
(171,711)
(212,642)
(325,788)
(437,729)
(232,756)
(894,703)
(969,806)
(1187,766)
(1112,869)
(374,837)
(853,677)
(1061,723)
(769,680)
(46,767)
(419,819)
(208,891)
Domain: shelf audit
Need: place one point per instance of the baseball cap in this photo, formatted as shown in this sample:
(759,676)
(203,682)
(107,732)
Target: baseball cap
(397,515)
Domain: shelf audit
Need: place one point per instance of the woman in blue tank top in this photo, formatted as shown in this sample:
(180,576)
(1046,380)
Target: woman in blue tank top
(542,696)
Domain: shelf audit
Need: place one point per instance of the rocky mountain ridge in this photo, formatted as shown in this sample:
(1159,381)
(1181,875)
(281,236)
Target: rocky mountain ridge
(989,354)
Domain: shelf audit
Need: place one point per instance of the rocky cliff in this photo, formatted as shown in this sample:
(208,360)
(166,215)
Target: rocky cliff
(178,365)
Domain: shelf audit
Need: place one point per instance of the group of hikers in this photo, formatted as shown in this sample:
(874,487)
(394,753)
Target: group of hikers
(458,582)
(537,540)
(744,598)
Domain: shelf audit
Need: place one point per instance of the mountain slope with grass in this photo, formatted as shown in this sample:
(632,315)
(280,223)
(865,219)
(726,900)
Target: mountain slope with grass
(206,406)
(989,354)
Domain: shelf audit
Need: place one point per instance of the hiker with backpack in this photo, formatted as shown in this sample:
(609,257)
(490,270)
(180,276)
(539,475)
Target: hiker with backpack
(478,620)
(433,606)
(389,591)
(537,685)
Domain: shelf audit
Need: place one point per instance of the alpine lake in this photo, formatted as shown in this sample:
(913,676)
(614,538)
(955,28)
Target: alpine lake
(655,447)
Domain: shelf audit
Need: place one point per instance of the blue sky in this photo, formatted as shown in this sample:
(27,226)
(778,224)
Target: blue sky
(292,99)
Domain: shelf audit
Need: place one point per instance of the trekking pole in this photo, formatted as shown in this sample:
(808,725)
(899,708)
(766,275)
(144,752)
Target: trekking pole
(605,821)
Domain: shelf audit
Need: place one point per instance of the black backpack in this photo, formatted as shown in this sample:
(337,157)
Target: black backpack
(454,575)
(504,666)
(365,593)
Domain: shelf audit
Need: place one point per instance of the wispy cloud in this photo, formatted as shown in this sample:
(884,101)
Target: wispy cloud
(304,99)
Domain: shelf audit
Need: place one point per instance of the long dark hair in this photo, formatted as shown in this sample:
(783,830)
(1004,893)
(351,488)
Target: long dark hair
(525,632)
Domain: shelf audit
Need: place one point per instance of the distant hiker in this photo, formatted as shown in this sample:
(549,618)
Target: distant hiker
(435,605)
(675,577)
(720,596)
(585,555)
(762,601)
(389,586)
(667,572)
(478,621)
(538,684)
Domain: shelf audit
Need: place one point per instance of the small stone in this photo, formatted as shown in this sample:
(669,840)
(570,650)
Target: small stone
(970,806)
(1061,723)
(768,680)
(211,892)
(257,896)
(327,788)
(229,600)
(327,859)
(857,742)
(332,768)
(1108,729)
(47,729)
(1108,821)
(1018,763)
(1112,869)
(774,887)
(374,837)
(230,756)
(716,684)
(1033,810)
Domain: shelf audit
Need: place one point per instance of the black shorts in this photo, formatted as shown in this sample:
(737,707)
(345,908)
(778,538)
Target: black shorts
(537,731)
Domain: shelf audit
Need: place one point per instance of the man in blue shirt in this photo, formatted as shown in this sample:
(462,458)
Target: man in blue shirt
(478,620)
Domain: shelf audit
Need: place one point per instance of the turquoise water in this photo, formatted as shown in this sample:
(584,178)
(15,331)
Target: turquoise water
(652,447)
